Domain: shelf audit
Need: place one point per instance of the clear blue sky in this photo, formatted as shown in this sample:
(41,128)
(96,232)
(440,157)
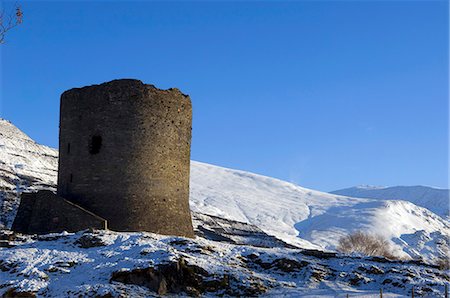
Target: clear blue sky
(324,94)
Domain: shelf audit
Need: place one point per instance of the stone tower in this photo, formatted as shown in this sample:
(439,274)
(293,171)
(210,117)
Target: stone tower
(124,154)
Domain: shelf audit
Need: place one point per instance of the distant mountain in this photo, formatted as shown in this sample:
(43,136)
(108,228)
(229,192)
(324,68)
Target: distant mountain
(434,199)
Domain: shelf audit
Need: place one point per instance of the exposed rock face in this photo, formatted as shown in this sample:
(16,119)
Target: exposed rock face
(44,212)
(235,232)
(177,277)
(125,155)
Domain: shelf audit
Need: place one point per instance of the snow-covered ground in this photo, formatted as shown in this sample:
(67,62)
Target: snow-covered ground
(434,199)
(219,196)
(110,264)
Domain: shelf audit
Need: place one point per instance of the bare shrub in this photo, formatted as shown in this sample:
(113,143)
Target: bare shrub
(443,263)
(365,244)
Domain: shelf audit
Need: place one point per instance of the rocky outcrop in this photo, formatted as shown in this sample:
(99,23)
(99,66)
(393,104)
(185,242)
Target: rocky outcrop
(177,277)
(235,232)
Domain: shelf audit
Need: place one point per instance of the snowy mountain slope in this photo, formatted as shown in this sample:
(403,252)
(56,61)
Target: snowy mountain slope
(111,264)
(434,199)
(395,220)
(24,165)
(273,205)
(299,216)
(309,218)
(20,156)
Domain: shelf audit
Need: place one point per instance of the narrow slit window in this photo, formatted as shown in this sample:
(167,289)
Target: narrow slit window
(95,144)
(71,178)
(68,148)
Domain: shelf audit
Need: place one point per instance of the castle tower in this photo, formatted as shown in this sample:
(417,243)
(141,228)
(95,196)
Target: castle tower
(124,154)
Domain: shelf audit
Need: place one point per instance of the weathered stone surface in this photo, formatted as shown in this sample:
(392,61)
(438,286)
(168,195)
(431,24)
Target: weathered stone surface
(45,212)
(174,277)
(225,230)
(125,155)
(281,264)
(90,240)
(318,253)
(177,277)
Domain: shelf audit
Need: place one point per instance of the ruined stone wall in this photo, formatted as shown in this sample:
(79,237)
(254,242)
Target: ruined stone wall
(44,212)
(125,155)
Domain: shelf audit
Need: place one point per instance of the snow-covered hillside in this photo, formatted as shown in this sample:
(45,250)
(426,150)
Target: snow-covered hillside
(21,157)
(24,165)
(231,254)
(299,216)
(434,199)
(310,218)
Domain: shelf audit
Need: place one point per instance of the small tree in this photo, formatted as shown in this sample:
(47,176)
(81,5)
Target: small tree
(9,21)
(365,244)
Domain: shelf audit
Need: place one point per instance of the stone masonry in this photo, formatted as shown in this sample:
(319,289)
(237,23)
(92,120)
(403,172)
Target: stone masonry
(44,212)
(124,154)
